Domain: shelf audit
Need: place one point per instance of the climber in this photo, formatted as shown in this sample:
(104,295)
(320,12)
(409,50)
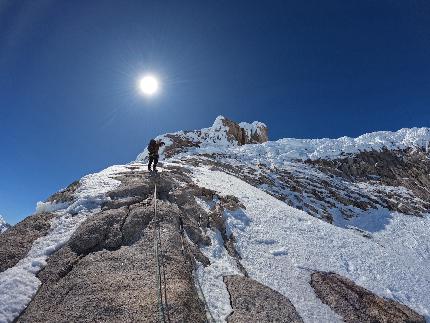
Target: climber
(153,153)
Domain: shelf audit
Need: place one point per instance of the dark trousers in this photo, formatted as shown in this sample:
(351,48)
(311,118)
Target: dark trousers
(153,159)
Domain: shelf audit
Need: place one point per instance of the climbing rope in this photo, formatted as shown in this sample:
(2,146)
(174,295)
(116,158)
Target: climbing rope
(157,246)
(161,273)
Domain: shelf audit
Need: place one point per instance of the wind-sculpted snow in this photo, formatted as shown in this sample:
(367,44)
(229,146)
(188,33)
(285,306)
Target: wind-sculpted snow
(281,246)
(221,135)
(277,153)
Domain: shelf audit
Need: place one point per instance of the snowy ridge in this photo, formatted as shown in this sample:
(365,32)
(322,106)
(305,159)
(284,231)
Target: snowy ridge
(207,138)
(215,140)
(3,225)
(284,150)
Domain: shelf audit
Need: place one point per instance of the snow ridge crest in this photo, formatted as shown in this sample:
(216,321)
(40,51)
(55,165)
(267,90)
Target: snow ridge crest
(222,134)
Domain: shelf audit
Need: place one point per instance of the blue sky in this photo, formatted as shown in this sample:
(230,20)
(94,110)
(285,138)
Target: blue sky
(68,70)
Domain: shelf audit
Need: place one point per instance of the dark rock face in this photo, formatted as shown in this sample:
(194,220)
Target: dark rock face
(17,241)
(409,168)
(357,304)
(236,133)
(393,180)
(255,302)
(65,195)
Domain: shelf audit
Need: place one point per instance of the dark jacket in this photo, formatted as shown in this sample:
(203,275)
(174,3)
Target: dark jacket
(154,146)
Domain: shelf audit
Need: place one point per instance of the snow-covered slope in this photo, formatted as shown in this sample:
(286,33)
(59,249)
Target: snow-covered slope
(215,140)
(281,246)
(3,225)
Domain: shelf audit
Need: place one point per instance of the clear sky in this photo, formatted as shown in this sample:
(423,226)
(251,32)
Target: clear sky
(308,69)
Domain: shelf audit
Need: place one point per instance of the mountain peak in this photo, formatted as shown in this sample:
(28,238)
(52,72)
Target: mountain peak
(223,214)
(223,133)
(3,225)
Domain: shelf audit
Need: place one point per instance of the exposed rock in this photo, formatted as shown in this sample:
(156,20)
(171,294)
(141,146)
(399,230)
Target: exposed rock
(252,301)
(222,131)
(117,285)
(107,270)
(328,188)
(236,133)
(17,241)
(65,195)
(101,231)
(180,144)
(409,168)
(118,203)
(357,304)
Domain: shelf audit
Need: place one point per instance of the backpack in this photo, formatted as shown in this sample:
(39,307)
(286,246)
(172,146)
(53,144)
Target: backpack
(152,147)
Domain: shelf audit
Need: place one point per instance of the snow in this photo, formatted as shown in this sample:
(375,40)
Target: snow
(281,246)
(207,138)
(214,140)
(19,284)
(42,207)
(251,128)
(211,277)
(3,225)
(277,153)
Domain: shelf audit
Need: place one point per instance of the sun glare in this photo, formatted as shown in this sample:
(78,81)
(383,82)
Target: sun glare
(148,85)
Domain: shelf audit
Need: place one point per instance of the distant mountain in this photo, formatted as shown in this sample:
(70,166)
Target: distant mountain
(233,228)
(3,225)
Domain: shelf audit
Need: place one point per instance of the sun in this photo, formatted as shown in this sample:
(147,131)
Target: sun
(149,85)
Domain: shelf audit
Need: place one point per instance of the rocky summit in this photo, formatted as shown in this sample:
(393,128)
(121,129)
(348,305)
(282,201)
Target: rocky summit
(233,228)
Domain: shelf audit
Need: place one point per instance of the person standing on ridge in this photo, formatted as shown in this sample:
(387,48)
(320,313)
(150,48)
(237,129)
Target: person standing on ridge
(153,148)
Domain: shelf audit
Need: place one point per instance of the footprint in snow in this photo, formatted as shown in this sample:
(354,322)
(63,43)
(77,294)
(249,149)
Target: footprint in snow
(281,252)
(266,241)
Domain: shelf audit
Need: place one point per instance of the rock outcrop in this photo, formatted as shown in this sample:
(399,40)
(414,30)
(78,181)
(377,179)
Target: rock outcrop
(397,181)
(409,168)
(251,301)
(17,241)
(223,132)
(107,270)
(356,304)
